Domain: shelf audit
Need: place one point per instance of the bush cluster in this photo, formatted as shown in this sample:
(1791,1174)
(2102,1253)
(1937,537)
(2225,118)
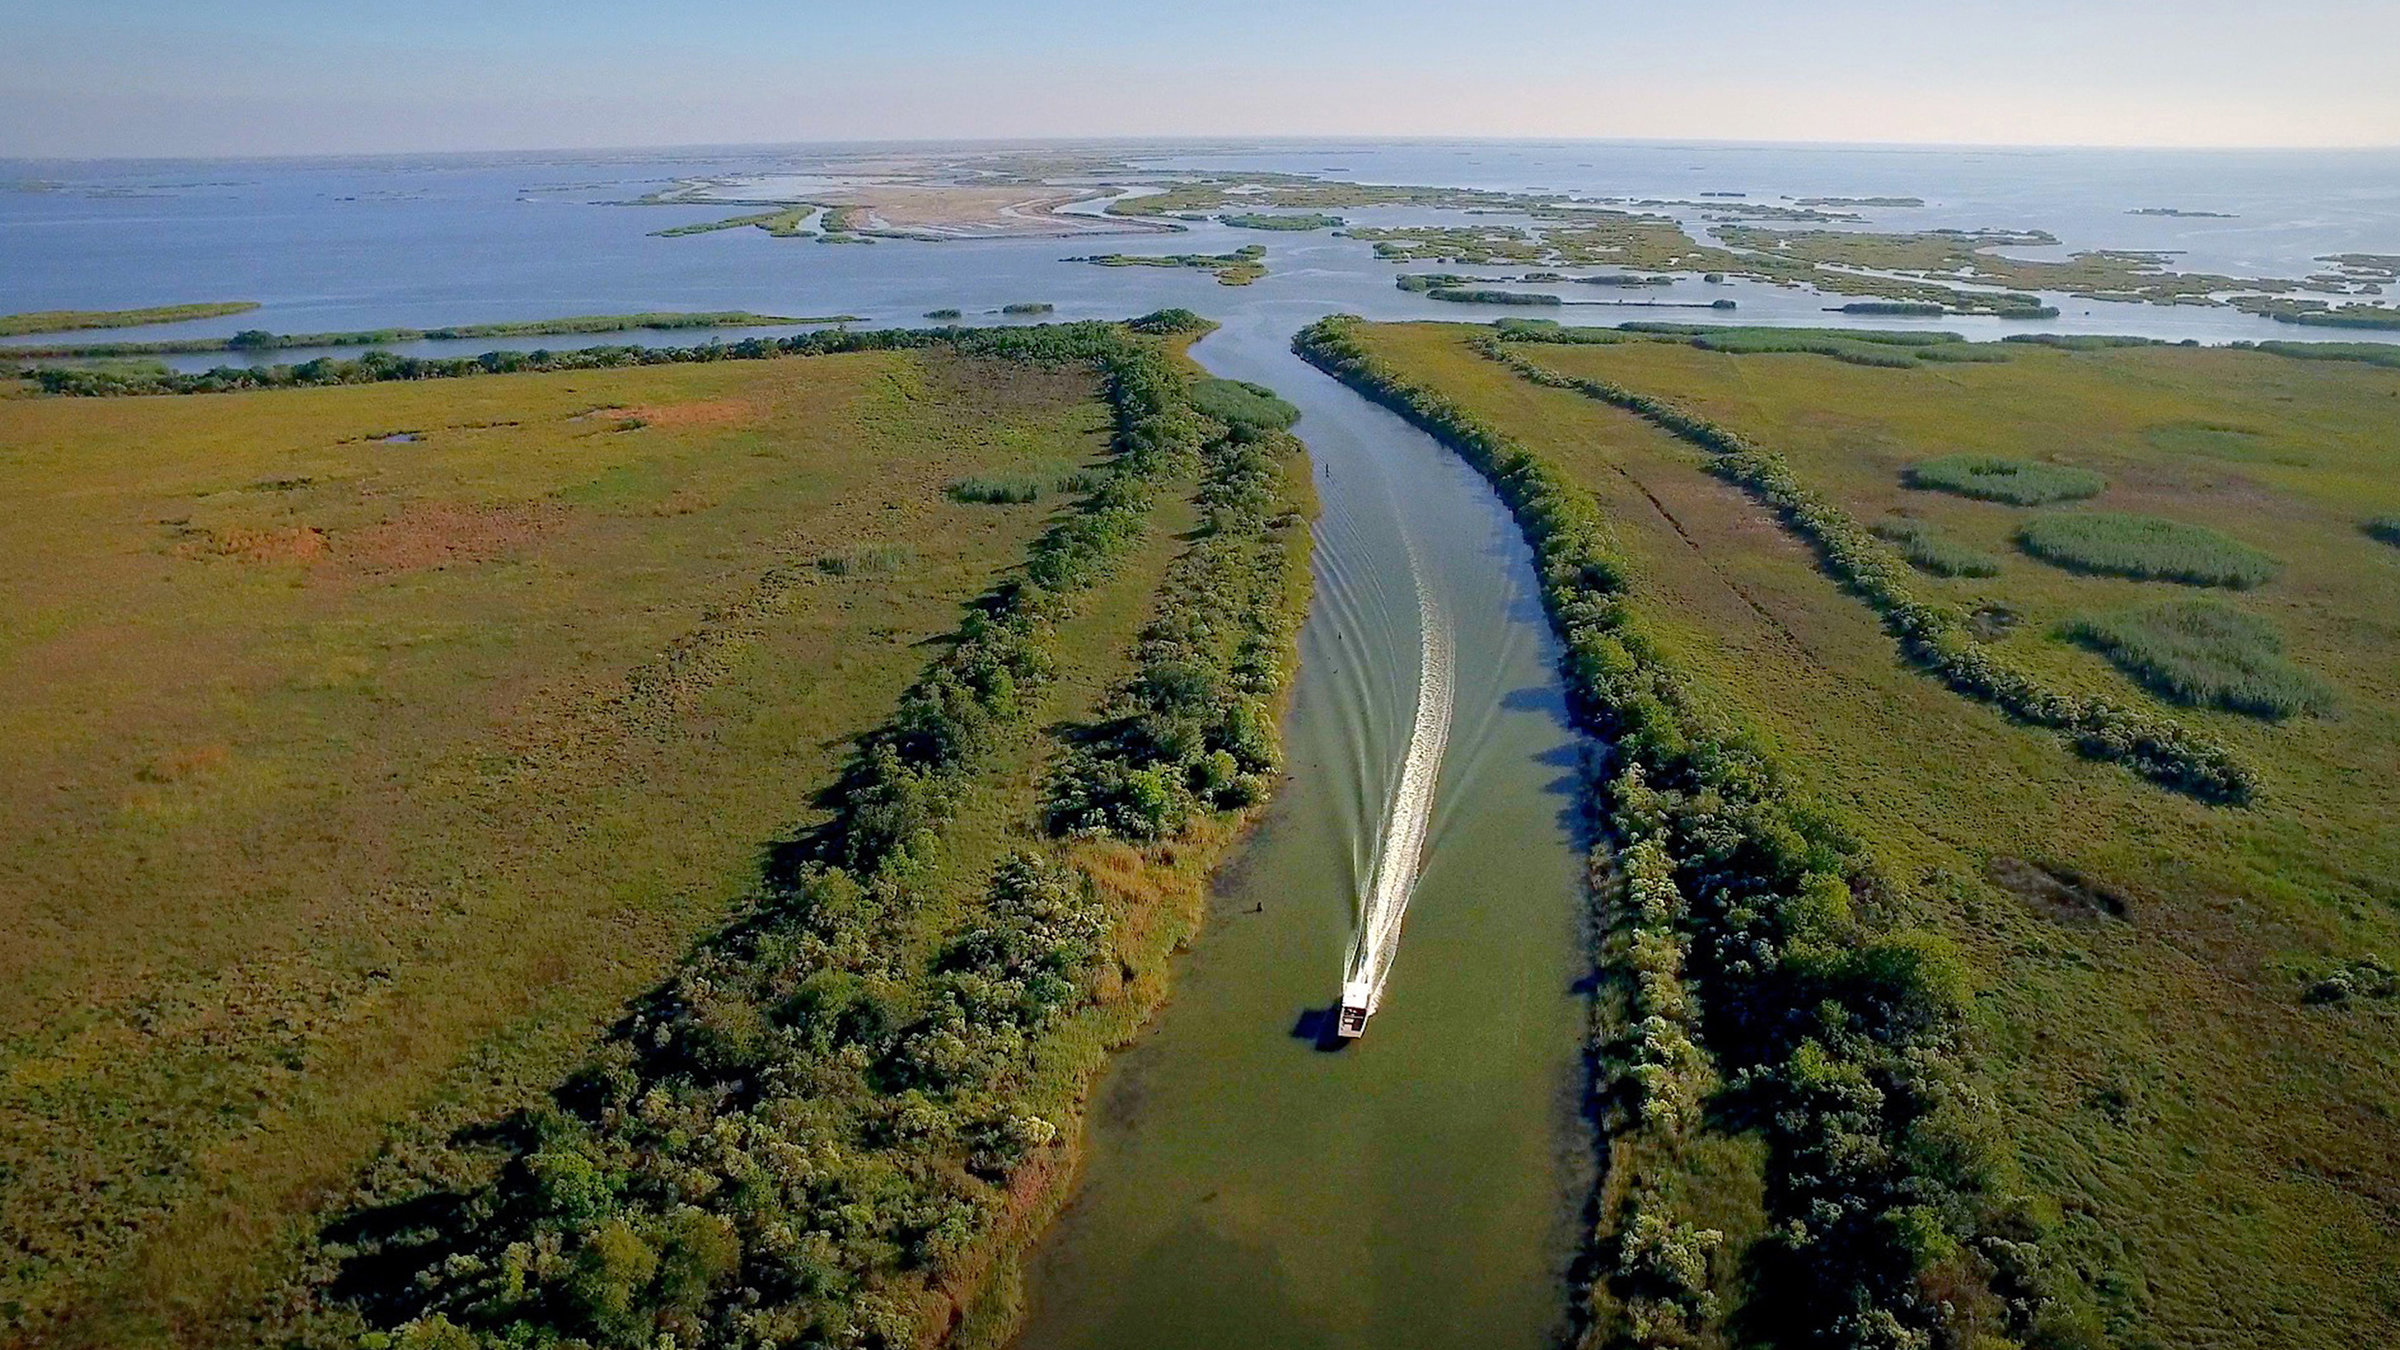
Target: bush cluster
(2146,548)
(2384,528)
(1193,731)
(1484,295)
(2206,655)
(2367,976)
(818,1118)
(1936,637)
(2018,482)
(1845,1039)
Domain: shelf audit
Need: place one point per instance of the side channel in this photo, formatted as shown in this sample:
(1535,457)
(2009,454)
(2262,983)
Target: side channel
(1420,1187)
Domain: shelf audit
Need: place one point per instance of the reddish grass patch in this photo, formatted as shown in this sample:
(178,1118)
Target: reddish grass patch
(300,543)
(444,534)
(711,412)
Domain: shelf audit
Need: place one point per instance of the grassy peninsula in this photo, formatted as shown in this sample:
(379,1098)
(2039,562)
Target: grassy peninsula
(71,320)
(2097,931)
(620,620)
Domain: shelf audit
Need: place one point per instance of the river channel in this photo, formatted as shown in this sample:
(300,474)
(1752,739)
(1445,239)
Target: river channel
(1244,1186)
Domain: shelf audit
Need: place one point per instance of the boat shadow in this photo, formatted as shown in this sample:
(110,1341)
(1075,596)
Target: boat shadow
(1318,1026)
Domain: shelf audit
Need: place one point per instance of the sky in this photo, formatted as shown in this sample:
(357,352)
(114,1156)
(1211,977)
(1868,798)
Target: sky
(268,77)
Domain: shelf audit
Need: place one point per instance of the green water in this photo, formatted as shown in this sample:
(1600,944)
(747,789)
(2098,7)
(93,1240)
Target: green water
(1420,1187)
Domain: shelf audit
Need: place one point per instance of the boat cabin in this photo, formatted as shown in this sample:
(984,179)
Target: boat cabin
(1350,1016)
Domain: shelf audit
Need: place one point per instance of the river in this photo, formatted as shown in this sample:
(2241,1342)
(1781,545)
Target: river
(1419,1187)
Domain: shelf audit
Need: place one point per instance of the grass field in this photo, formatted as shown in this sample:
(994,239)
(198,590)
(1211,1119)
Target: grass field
(370,746)
(2215,1147)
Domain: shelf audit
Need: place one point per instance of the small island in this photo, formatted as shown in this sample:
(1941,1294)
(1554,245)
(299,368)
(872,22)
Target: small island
(1295,224)
(1238,268)
(2180,214)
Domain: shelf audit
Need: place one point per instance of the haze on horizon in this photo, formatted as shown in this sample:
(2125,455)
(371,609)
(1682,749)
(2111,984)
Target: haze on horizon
(151,78)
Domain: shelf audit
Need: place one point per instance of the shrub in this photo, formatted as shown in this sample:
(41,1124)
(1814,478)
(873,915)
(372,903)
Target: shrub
(2363,977)
(2204,654)
(998,489)
(2146,548)
(1237,403)
(1171,322)
(2385,528)
(1929,550)
(2018,482)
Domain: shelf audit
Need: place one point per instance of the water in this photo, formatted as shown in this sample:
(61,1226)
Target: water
(1243,1186)
(1400,847)
(340,244)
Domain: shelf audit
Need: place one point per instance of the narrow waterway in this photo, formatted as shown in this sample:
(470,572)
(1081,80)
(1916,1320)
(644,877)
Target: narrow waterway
(1418,1188)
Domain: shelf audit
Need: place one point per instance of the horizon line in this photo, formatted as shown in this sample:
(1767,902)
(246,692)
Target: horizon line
(1200,138)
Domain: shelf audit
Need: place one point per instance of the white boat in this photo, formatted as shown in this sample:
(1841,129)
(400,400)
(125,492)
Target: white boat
(1351,1014)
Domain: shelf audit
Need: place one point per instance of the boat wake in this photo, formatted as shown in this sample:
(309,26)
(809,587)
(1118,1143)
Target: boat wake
(1408,813)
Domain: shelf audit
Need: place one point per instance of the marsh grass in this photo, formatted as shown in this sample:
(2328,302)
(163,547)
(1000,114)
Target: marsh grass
(2204,654)
(2018,482)
(2146,548)
(1242,404)
(1929,550)
(872,560)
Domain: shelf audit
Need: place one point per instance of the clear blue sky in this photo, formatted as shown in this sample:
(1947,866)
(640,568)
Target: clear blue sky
(127,77)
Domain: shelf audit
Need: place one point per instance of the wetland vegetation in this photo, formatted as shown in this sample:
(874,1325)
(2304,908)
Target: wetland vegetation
(255,340)
(2090,964)
(895,1019)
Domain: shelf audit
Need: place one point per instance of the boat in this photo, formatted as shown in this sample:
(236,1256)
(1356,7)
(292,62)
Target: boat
(1351,1014)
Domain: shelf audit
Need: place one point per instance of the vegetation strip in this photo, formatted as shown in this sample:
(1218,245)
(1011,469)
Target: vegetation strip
(378,366)
(259,341)
(1841,1037)
(1936,637)
(70,320)
(818,1129)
